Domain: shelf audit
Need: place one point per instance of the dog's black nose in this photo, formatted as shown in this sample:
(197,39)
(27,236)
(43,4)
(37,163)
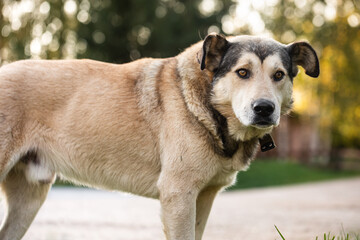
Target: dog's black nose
(263,107)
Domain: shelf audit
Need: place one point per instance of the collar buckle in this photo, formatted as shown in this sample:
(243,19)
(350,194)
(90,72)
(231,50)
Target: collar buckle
(266,143)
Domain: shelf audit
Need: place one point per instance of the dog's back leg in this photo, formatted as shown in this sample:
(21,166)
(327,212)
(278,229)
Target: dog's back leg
(23,200)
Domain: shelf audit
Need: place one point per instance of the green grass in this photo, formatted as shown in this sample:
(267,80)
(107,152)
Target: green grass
(265,173)
(342,236)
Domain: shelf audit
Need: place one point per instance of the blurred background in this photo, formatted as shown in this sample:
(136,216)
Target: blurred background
(319,140)
(324,127)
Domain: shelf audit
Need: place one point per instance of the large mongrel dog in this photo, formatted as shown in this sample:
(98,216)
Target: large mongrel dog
(176,129)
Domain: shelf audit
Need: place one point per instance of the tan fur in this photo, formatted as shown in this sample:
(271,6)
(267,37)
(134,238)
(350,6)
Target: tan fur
(145,127)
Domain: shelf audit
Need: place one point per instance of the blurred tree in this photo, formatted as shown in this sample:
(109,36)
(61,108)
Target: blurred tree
(114,31)
(37,29)
(125,30)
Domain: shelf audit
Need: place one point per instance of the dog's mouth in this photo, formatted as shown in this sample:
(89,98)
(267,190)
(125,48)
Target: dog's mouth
(263,123)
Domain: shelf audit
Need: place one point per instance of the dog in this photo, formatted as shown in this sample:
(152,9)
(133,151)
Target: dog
(175,129)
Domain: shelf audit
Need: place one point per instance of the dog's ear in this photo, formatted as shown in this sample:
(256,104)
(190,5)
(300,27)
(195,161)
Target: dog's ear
(213,49)
(303,54)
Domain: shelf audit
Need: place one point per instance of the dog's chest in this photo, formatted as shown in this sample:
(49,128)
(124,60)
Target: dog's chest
(240,161)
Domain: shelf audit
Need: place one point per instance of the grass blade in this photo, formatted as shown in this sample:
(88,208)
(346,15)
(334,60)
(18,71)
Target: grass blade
(279,232)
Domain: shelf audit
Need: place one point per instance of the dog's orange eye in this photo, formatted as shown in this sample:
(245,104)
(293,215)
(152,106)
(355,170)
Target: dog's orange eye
(243,73)
(279,75)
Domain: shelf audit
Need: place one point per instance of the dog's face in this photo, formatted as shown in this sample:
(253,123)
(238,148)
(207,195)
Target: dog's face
(253,79)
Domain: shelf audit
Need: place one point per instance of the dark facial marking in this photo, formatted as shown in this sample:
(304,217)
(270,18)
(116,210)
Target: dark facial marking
(260,47)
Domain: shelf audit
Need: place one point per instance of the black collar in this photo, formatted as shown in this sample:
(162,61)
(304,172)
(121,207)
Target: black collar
(230,146)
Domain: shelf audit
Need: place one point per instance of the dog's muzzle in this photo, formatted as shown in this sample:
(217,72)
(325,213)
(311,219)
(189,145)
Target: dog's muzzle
(263,110)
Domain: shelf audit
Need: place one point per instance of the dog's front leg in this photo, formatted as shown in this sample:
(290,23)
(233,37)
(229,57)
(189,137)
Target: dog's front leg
(203,206)
(178,208)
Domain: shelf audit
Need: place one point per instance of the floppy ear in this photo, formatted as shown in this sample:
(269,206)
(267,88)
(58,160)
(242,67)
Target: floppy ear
(213,49)
(303,54)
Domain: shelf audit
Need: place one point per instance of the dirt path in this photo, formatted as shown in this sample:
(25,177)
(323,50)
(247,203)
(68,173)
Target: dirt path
(301,212)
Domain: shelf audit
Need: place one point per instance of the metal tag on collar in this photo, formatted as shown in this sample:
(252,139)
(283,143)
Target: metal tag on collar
(266,143)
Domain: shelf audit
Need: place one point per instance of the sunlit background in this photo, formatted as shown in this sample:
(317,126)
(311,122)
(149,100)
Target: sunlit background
(324,127)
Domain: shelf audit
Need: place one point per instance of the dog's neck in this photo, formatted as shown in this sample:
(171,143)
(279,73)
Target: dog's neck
(196,87)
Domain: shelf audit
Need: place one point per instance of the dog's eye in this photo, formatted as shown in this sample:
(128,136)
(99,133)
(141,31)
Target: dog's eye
(279,75)
(243,73)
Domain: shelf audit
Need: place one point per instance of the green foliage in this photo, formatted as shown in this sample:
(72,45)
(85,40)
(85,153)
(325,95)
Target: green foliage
(134,29)
(265,173)
(113,31)
(343,236)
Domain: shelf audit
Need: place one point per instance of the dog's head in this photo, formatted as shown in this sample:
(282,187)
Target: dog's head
(253,79)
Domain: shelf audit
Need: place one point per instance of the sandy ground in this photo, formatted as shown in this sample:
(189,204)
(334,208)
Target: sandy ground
(301,212)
